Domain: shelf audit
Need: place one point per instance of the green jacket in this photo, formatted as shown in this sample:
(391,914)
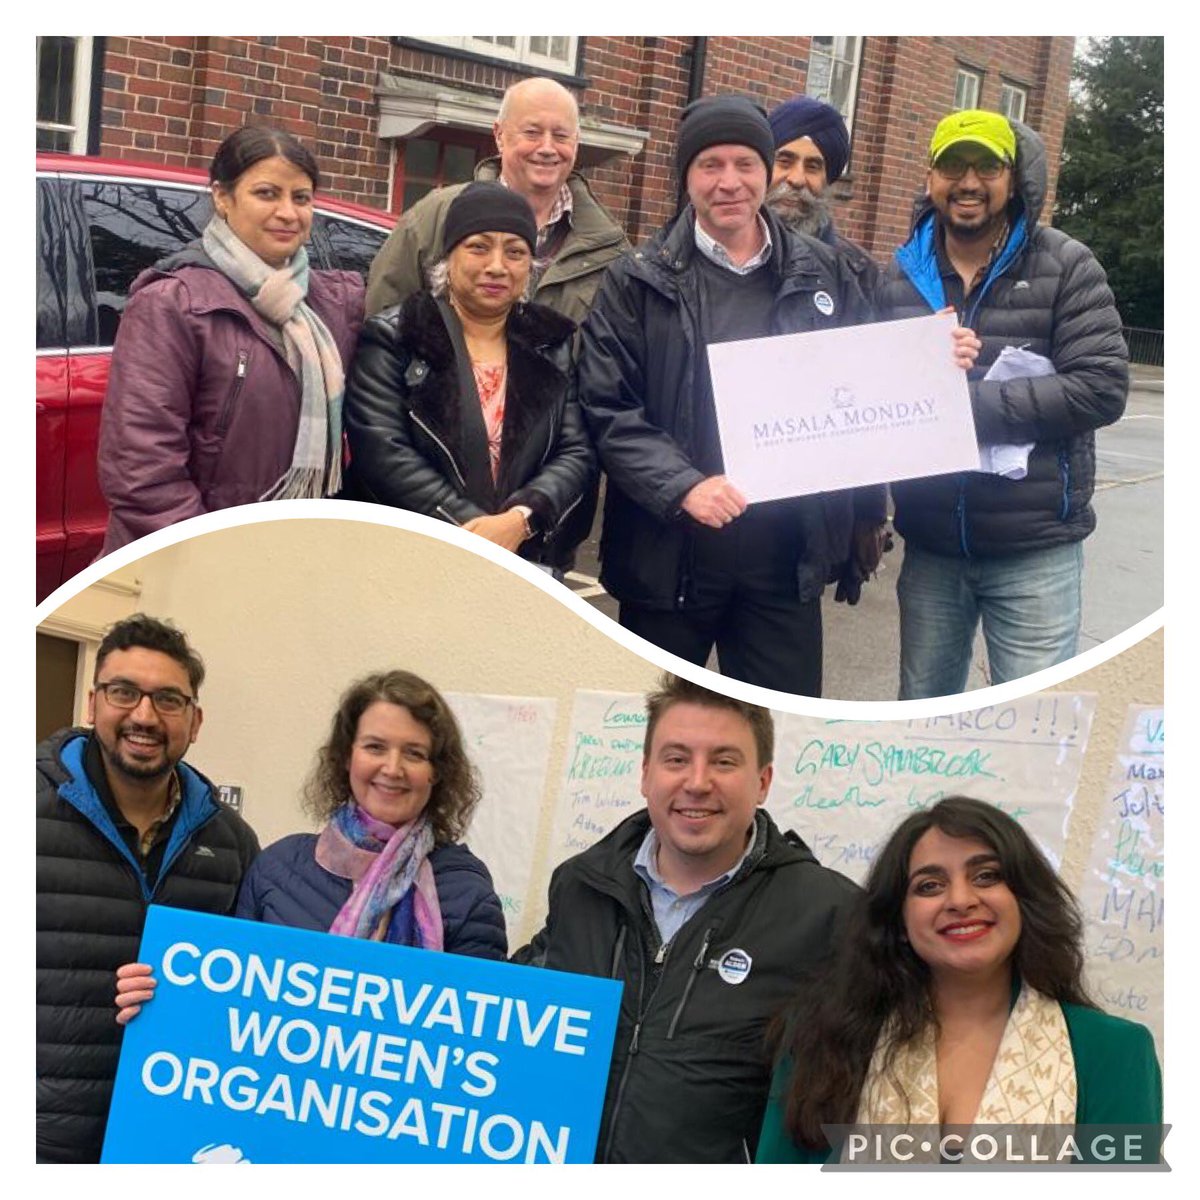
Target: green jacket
(567,286)
(1116,1070)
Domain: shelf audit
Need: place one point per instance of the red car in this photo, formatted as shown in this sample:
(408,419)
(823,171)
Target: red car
(99,223)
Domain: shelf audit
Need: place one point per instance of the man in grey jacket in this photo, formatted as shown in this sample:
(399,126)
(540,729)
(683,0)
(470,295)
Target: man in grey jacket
(537,136)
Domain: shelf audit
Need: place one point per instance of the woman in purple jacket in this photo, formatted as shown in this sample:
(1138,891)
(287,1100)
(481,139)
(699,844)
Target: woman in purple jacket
(396,791)
(229,365)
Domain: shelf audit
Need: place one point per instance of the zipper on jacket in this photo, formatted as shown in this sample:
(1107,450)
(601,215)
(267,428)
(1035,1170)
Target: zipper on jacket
(697,967)
(239,379)
(633,1045)
(960,515)
(449,457)
(1064,471)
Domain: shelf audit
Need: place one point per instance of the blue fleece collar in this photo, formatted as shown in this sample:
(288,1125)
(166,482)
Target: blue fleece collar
(196,807)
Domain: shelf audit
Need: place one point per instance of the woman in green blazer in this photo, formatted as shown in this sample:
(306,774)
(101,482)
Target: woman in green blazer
(958,1006)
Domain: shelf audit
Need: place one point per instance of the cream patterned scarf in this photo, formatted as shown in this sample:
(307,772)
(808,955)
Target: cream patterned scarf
(1032,1081)
(278,296)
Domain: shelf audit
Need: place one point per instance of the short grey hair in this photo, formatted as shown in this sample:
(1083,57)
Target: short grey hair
(524,84)
(438,280)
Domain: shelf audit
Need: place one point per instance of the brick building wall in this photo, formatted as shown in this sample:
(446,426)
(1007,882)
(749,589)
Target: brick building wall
(172,99)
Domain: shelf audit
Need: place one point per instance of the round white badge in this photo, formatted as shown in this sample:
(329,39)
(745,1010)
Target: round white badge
(734,966)
(824,303)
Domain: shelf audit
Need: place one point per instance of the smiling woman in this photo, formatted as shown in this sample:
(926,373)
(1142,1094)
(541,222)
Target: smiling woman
(958,1002)
(396,791)
(461,404)
(229,365)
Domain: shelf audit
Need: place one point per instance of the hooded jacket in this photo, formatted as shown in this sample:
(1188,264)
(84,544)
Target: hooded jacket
(1046,292)
(91,905)
(639,366)
(202,407)
(568,284)
(689,1074)
(287,886)
(417,442)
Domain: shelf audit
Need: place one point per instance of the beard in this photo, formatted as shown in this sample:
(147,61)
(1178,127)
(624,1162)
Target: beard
(799,209)
(132,768)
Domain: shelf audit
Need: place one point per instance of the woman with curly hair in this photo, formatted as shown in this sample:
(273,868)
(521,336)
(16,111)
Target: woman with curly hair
(396,791)
(958,1000)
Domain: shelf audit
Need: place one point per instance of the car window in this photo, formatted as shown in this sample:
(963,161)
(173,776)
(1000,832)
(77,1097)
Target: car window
(353,246)
(51,297)
(131,226)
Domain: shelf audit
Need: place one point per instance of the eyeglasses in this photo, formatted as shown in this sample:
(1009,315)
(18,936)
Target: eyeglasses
(167,701)
(953,167)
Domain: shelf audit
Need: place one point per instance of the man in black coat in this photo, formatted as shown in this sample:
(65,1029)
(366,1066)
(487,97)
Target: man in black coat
(710,916)
(121,823)
(812,147)
(1006,549)
(690,565)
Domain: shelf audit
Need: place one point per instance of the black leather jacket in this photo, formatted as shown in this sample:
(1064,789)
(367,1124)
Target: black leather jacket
(415,444)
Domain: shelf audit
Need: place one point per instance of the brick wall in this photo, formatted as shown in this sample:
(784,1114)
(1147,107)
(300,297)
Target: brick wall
(172,99)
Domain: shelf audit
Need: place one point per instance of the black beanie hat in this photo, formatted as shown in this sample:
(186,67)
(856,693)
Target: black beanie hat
(719,121)
(486,207)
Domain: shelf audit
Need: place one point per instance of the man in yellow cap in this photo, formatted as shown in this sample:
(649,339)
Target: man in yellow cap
(1003,548)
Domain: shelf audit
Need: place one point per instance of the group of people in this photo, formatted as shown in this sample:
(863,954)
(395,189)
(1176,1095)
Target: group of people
(766,999)
(516,345)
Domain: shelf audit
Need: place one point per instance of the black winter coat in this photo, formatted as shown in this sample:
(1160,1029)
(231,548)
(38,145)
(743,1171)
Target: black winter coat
(1049,294)
(690,1072)
(91,906)
(287,886)
(415,444)
(638,387)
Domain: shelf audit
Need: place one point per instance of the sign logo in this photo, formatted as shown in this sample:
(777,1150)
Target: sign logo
(734,966)
(824,303)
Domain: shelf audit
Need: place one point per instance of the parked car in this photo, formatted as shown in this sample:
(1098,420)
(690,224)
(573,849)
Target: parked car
(99,223)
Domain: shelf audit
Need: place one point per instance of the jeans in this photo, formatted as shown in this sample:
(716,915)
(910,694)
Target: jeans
(1030,605)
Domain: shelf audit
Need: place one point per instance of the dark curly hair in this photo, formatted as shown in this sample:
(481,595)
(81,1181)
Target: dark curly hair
(456,789)
(830,1032)
(149,633)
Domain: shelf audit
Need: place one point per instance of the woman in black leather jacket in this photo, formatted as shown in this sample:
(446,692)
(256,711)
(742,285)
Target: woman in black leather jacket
(461,404)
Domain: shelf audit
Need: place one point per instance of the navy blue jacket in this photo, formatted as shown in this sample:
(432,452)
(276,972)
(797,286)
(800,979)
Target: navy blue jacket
(1047,292)
(91,906)
(286,886)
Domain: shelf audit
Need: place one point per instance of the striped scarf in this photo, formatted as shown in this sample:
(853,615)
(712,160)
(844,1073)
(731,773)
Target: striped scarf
(278,296)
(394,897)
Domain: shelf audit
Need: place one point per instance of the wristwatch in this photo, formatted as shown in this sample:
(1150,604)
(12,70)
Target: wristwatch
(526,512)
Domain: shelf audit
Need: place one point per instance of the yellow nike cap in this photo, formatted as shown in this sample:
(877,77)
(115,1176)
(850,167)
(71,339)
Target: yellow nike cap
(987,129)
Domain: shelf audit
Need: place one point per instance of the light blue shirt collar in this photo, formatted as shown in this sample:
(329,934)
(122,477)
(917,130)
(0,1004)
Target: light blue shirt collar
(715,252)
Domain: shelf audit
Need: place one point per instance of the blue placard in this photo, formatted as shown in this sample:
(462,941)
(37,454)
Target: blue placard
(267,1044)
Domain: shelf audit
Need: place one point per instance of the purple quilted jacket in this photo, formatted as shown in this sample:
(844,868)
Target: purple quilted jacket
(202,407)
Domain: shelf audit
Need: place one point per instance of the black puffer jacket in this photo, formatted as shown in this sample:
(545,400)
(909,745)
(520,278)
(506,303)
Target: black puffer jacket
(91,906)
(415,444)
(639,391)
(689,1074)
(1048,293)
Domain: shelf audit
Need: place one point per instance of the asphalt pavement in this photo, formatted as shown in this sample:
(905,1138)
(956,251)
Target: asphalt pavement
(1122,562)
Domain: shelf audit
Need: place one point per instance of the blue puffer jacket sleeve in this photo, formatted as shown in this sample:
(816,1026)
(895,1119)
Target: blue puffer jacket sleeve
(286,886)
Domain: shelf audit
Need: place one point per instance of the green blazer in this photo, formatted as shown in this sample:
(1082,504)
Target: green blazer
(1116,1070)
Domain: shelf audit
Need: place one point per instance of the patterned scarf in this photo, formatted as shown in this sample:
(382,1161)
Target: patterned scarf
(1032,1080)
(278,296)
(394,897)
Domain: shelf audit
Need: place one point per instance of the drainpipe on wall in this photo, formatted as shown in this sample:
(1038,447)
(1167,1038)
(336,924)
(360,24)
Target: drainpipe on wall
(696,73)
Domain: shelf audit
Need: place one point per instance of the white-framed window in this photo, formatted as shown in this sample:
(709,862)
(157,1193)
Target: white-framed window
(967,85)
(833,64)
(64,83)
(1012,100)
(550,53)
